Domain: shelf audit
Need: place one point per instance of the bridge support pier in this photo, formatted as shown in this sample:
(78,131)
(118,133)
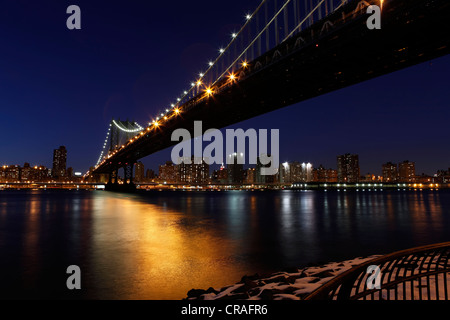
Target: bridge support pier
(127,185)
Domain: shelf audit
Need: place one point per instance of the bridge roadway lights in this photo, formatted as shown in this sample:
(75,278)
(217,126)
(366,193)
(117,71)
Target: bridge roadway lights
(117,187)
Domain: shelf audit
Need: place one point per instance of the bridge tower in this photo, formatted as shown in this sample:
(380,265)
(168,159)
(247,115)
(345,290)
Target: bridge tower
(121,132)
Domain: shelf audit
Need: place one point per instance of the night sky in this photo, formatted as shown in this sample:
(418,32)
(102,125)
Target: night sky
(133,58)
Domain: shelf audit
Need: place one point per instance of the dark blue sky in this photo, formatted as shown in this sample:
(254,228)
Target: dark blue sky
(133,58)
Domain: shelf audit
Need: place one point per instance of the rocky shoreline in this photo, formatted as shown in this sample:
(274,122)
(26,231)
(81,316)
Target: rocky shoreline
(290,284)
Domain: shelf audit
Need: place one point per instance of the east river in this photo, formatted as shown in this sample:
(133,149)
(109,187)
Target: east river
(159,245)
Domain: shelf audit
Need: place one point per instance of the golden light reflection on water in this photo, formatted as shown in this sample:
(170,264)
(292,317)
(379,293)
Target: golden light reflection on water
(161,246)
(30,257)
(149,252)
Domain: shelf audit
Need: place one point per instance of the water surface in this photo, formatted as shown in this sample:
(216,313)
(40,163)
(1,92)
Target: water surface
(159,245)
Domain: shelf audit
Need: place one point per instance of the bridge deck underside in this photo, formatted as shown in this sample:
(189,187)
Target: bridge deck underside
(412,32)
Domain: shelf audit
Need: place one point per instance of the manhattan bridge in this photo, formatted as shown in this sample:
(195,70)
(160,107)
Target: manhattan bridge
(286,51)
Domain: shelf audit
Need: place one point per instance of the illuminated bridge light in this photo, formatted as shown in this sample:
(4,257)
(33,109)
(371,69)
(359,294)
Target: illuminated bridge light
(249,16)
(209,92)
(176,110)
(245,64)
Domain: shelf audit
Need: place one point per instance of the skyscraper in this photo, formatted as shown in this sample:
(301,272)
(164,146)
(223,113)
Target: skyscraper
(321,174)
(407,171)
(139,172)
(348,168)
(59,162)
(235,169)
(390,172)
(260,177)
(196,172)
(167,172)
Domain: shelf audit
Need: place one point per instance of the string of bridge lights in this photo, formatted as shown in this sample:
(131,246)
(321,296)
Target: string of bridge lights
(175,109)
(138,129)
(222,51)
(104,146)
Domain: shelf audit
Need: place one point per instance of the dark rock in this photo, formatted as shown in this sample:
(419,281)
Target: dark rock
(302,295)
(239,296)
(195,293)
(249,284)
(246,278)
(290,280)
(212,290)
(281,278)
(266,294)
(254,292)
(325,274)
(290,290)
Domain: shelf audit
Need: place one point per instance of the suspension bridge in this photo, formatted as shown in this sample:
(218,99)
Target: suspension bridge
(285,52)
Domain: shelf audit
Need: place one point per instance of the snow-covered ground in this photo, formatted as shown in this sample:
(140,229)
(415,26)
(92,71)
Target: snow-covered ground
(293,285)
(298,283)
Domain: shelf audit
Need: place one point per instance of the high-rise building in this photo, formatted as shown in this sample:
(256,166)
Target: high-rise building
(139,171)
(168,172)
(195,172)
(250,176)
(10,173)
(59,162)
(149,175)
(264,179)
(221,175)
(324,175)
(284,173)
(290,172)
(306,172)
(406,171)
(348,168)
(389,172)
(235,169)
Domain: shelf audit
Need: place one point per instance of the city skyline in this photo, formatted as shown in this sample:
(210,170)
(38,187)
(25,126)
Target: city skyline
(391,118)
(347,169)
